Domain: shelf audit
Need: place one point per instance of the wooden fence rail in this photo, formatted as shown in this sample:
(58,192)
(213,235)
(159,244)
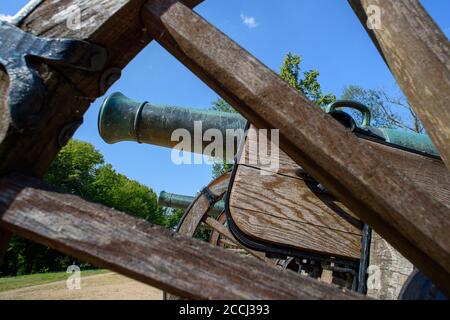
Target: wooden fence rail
(181,265)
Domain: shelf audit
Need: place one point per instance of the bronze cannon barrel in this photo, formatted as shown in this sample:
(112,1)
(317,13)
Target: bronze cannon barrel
(122,119)
(176,201)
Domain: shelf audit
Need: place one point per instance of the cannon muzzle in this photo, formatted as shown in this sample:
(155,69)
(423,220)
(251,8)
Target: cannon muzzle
(122,119)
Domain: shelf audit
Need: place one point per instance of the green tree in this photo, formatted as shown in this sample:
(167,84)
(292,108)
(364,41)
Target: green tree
(306,82)
(117,191)
(74,169)
(387,111)
(173,217)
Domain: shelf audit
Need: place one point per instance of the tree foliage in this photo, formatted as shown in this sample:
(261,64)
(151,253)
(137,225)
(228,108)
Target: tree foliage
(81,170)
(306,82)
(387,111)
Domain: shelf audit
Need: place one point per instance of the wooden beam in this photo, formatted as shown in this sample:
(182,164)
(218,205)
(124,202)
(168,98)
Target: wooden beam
(414,222)
(225,232)
(145,252)
(116,26)
(418,54)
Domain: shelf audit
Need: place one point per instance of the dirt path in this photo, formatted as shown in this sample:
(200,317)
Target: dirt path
(108,286)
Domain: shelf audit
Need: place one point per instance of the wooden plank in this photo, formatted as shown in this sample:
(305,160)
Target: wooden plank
(287,199)
(287,167)
(411,220)
(201,205)
(297,235)
(214,238)
(216,225)
(224,232)
(418,54)
(114,25)
(145,252)
(224,242)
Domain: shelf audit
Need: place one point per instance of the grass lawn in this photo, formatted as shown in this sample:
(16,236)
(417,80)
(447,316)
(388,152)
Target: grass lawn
(11,283)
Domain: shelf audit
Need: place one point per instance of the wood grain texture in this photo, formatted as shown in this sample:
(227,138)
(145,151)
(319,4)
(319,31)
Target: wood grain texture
(411,220)
(388,267)
(223,230)
(418,54)
(201,206)
(215,236)
(114,25)
(288,199)
(224,242)
(145,252)
(297,235)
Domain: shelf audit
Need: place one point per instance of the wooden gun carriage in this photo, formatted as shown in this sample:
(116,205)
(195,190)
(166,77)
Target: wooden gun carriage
(269,211)
(379,185)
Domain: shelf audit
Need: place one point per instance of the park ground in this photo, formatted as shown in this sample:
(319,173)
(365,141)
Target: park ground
(95,285)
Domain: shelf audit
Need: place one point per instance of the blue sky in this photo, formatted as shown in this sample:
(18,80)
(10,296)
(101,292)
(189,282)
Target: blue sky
(325,32)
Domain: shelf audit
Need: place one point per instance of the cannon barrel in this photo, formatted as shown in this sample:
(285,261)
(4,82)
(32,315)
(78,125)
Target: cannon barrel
(411,141)
(176,201)
(122,119)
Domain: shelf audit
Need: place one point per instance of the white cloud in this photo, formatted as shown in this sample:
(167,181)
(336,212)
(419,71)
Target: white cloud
(249,21)
(5,17)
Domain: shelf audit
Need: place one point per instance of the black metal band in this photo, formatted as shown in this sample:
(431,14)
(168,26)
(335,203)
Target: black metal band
(212,198)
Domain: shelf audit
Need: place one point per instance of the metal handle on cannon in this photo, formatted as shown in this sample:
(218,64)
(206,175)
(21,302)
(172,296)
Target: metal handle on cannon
(365,111)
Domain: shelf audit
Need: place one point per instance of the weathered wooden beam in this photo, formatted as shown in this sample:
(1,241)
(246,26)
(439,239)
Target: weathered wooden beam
(418,54)
(415,223)
(181,265)
(225,232)
(114,25)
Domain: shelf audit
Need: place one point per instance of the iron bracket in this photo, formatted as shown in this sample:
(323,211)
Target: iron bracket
(27,93)
(212,198)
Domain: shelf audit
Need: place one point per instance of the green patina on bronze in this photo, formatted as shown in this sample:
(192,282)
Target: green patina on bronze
(122,119)
(402,138)
(176,201)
